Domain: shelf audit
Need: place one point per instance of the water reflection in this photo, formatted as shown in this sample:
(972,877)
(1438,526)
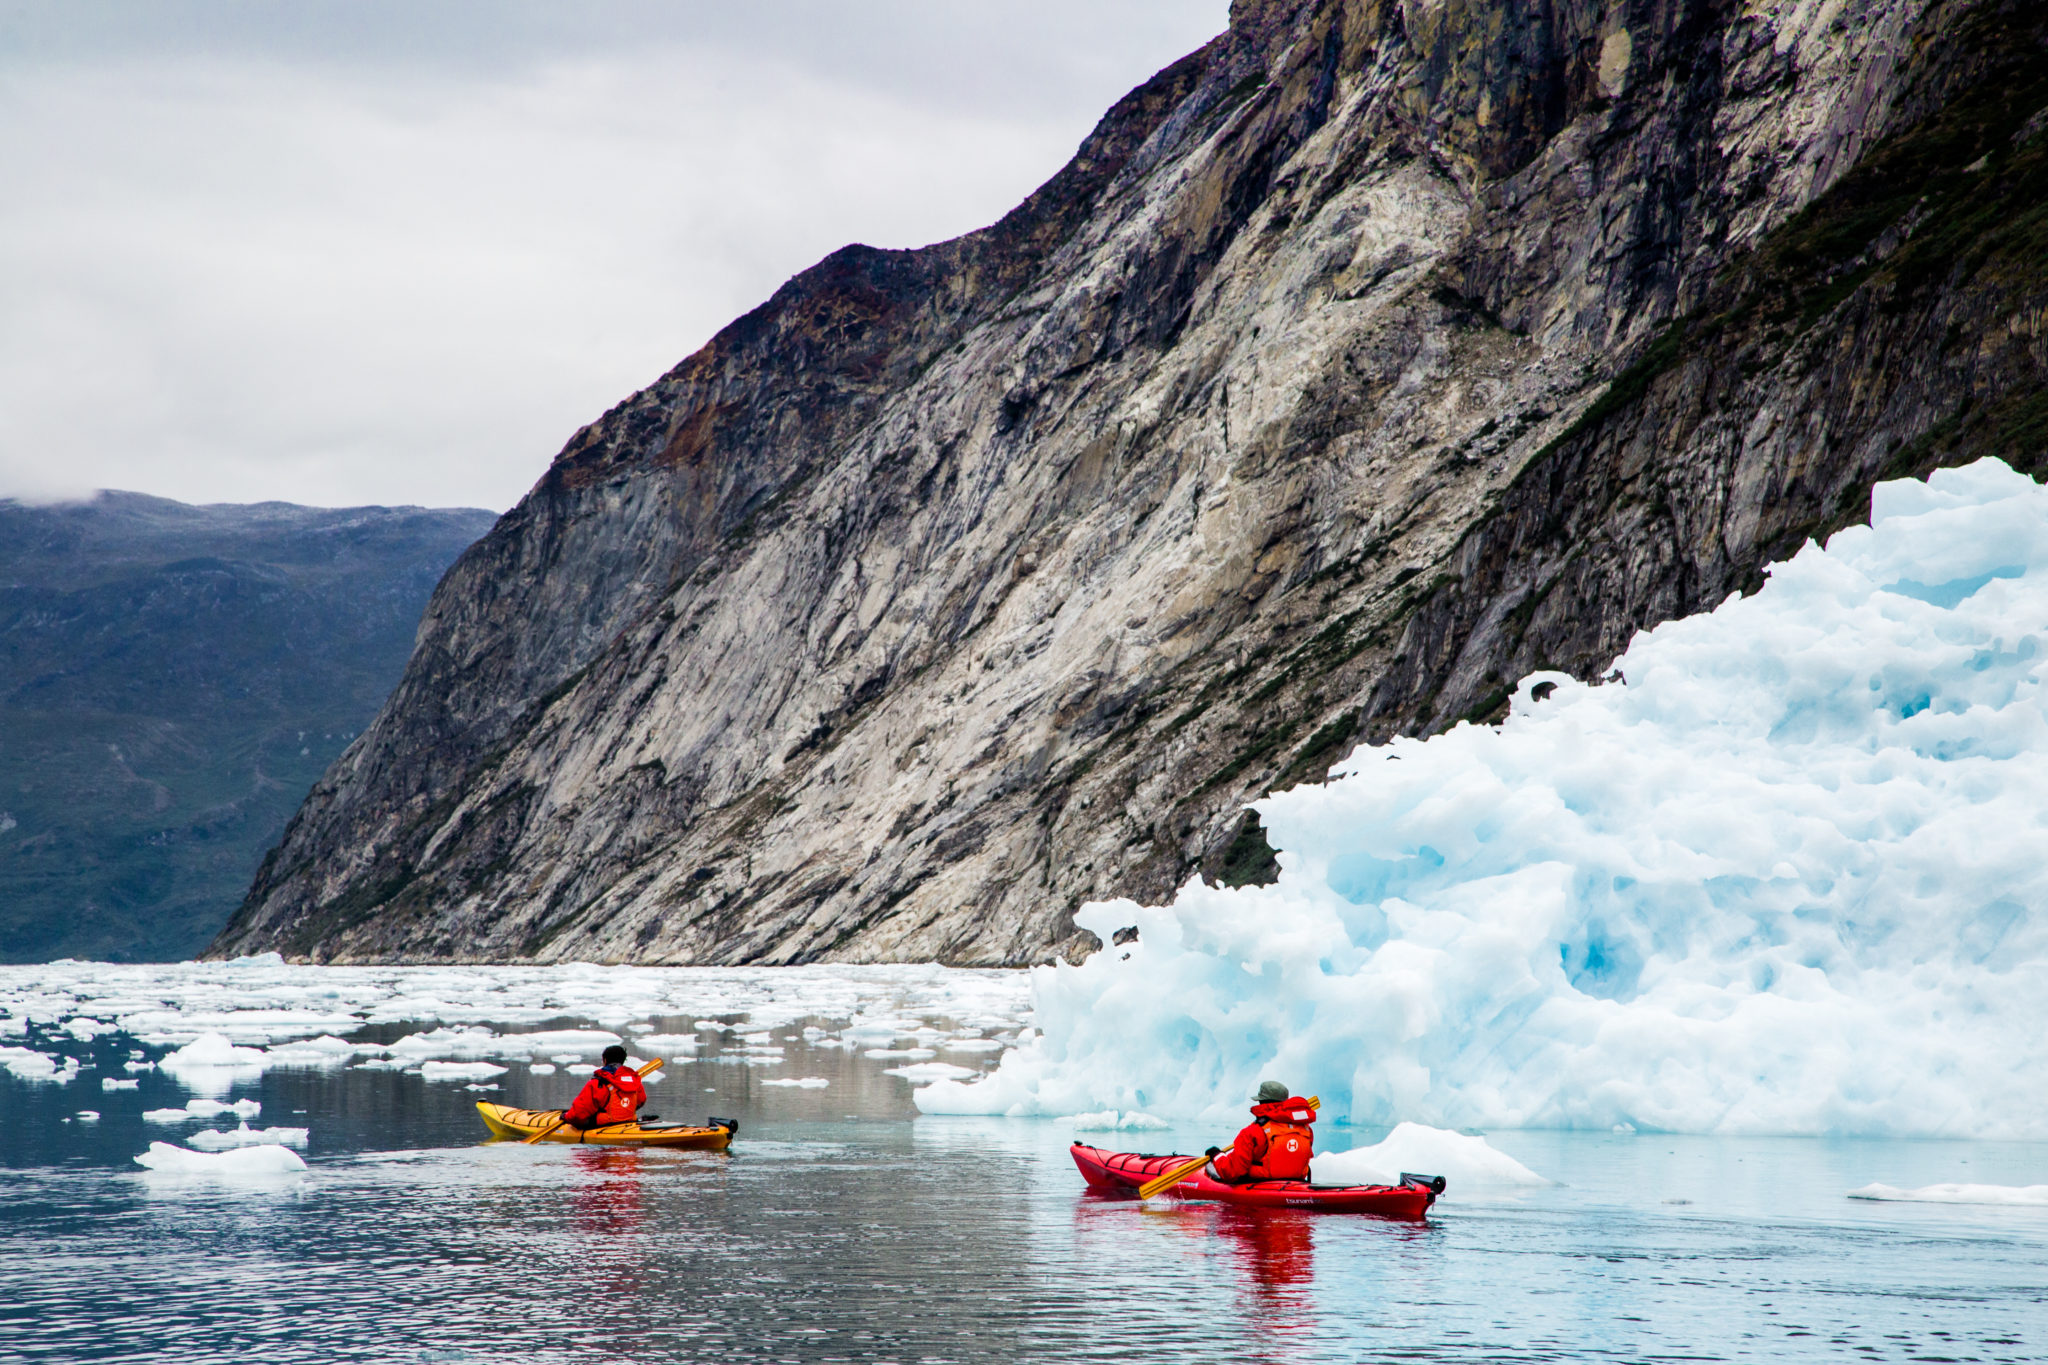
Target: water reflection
(1275,1250)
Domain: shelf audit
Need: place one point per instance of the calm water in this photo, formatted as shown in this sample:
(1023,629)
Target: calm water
(845,1227)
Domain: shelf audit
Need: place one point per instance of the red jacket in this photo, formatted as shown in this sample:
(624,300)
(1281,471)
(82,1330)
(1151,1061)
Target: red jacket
(613,1094)
(1276,1147)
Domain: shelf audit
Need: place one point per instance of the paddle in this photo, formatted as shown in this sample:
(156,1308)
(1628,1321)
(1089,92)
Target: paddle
(1159,1184)
(647,1070)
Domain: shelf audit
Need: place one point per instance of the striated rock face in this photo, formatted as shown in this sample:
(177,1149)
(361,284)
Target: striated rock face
(1376,354)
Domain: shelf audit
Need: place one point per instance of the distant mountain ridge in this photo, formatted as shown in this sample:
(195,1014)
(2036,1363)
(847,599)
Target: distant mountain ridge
(172,680)
(1358,364)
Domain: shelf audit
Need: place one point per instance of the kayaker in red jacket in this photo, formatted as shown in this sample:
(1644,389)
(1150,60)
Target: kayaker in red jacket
(1275,1145)
(613,1094)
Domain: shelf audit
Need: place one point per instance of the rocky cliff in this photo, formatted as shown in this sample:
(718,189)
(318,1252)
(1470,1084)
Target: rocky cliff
(1370,357)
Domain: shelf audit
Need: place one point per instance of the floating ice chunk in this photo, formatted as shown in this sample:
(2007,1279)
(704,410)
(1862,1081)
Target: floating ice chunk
(913,1053)
(567,1058)
(460,1071)
(118,1083)
(481,1087)
(800,1083)
(663,1044)
(212,1065)
(29,1065)
(923,1073)
(2028,1196)
(138,1066)
(220,1140)
(639,1028)
(1466,1162)
(447,1042)
(85,1030)
(584,1041)
(972,1045)
(324,1051)
(13,1025)
(245,1163)
(88,1116)
(1780,876)
(1114,1121)
(542,1069)
(203,1109)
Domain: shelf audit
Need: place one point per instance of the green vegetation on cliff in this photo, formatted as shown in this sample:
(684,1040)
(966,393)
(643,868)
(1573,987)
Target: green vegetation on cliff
(172,681)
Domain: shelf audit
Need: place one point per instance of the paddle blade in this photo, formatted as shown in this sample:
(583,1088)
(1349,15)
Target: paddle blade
(1159,1183)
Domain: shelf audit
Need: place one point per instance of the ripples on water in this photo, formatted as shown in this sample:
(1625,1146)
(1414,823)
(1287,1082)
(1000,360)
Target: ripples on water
(842,1227)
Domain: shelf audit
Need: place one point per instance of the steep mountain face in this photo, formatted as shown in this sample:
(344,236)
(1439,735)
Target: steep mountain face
(1370,357)
(172,681)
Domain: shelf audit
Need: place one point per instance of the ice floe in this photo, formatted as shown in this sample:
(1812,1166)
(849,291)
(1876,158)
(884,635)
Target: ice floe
(2025,1196)
(29,1065)
(223,1139)
(204,1109)
(1114,1121)
(213,1065)
(921,1073)
(245,1163)
(460,1071)
(1780,874)
(800,1082)
(1466,1161)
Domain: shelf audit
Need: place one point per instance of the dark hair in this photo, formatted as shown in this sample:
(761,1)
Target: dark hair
(615,1055)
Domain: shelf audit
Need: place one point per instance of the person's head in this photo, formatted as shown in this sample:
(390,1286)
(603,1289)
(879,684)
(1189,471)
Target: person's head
(616,1056)
(1271,1092)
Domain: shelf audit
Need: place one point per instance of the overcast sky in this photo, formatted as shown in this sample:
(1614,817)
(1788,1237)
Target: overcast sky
(396,251)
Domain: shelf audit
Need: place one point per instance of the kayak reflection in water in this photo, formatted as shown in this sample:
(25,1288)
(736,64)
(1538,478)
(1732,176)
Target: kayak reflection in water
(613,1094)
(1275,1145)
(606,1197)
(1274,1247)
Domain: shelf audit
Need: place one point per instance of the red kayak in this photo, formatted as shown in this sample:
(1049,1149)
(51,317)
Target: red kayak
(1123,1172)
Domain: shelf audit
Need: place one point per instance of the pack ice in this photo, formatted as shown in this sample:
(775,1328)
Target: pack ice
(1784,873)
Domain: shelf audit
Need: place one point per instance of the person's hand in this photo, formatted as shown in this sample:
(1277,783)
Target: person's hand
(1213,1153)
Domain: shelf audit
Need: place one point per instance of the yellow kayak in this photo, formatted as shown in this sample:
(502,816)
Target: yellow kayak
(506,1122)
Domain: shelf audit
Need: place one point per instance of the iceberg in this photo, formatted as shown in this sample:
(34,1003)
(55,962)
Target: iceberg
(1780,874)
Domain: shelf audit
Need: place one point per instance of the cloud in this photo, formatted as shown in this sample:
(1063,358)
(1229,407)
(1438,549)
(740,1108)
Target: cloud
(339,260)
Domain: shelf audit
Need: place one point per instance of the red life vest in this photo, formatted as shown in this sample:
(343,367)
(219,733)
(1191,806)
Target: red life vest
(1290,1140)
(611,1095)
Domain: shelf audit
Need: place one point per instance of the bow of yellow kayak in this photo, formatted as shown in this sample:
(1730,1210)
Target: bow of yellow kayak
(506,1122)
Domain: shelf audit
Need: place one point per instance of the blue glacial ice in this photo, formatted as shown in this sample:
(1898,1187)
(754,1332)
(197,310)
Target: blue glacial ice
(1786,874)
